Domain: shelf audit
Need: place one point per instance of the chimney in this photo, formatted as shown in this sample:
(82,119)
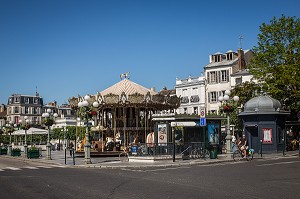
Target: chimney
(241,59)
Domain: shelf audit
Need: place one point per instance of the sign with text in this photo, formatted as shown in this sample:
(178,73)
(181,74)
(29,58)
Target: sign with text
(203,121)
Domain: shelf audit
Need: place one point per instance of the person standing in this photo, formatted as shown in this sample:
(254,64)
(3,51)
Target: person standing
(71,146)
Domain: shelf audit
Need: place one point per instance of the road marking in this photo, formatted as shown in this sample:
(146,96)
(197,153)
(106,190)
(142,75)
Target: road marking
(277,163)
(1,170)
(13,168)
(45,167)
(28,167)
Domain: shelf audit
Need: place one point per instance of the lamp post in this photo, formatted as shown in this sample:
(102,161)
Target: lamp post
(49,121)
(227,108)
(85,110)
(9,129)
(26,127)
(65,142)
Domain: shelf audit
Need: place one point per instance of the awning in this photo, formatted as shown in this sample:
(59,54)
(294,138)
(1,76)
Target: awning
(31,131)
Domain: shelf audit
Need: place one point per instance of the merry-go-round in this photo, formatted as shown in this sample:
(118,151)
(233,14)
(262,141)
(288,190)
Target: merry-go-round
(119,116)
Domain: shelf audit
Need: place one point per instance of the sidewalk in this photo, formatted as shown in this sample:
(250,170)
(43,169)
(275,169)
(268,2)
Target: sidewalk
(58,158)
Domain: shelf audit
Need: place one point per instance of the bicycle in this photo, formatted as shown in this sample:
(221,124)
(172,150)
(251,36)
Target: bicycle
(199,152)
(238,154)
(124,155)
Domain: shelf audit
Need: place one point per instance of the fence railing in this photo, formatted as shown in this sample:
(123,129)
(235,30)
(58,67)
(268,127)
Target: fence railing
(151,149)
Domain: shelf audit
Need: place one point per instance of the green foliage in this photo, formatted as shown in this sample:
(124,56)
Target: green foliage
(276,60)
(48,121)
(245,91)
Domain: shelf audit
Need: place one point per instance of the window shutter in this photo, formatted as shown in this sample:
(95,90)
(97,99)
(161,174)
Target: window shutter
(208,78)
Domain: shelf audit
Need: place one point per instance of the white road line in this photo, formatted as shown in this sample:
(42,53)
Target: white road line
(278,163)
(1,170)
(28,167)
(45,167)
(13,168)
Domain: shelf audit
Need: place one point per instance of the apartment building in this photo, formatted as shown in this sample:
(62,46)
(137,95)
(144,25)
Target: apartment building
(192,93)
(32,106)
(224,72)
(19,106)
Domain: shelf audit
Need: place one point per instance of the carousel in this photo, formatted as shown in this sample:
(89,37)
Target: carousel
(121,115)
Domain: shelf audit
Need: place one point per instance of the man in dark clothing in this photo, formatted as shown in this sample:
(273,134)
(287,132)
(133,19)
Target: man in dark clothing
(71,148)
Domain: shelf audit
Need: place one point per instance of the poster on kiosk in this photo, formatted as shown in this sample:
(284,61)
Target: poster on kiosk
(162,134)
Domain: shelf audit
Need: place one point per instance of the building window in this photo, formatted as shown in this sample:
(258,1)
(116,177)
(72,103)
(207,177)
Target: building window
(185,100)
(238,81)
(224,76)
(17,99)
(35,101)
(195,91)
(184,92)
(35,110)
(196,110)
(212,77)
(26,110)
(195,98)
(16,110)
(26,100)
(212,96)
(185,110)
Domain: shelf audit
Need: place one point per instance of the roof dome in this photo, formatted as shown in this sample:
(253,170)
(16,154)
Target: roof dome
(262,103)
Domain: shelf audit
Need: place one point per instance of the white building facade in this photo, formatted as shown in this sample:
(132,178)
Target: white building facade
(192,94)
(224,72)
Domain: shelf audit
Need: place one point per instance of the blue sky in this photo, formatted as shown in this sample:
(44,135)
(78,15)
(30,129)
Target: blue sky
(71,47)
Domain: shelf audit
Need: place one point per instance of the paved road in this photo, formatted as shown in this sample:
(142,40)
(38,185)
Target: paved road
(271,178)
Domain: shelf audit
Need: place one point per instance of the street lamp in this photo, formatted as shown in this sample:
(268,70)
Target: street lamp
(227,108)
(86,112)
(49,121)
(26,127)
(9,129)
(64,129)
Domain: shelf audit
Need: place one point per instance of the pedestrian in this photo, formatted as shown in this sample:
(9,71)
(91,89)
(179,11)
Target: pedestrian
(71,146)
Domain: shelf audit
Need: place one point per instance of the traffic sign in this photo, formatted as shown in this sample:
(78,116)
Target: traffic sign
(203,121)
(202,112)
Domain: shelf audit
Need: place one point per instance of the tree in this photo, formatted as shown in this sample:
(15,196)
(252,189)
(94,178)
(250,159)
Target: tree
(276,61)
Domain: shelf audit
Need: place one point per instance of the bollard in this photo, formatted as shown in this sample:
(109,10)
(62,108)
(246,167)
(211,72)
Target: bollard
(261,148)
(73,155)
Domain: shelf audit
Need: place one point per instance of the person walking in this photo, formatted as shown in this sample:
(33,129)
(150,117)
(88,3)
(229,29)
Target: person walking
(71,146)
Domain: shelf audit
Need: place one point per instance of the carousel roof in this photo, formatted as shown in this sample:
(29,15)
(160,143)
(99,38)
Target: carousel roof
(128,87)
(128,93)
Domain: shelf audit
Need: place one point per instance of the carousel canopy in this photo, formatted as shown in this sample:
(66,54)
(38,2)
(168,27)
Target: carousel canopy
(128,87)
(128,93)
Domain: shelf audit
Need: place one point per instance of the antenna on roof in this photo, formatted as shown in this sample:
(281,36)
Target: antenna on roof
(36,92)
(240,38)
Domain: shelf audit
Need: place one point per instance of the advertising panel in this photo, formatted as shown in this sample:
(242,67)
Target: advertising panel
(162,134)
(267,135)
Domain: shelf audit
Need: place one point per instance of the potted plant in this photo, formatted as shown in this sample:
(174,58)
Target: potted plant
(33,152)
(3,151)
(16,152)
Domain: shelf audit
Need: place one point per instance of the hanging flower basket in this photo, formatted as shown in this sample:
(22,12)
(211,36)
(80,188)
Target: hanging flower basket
(227,108)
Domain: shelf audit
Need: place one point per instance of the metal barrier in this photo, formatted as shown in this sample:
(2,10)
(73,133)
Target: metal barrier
(156,149)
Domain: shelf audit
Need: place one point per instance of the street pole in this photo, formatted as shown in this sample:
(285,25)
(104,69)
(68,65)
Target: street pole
(25,145)
(87,146)
(228,136)
(65,145)
(204,142)
(174,148)
(48,145)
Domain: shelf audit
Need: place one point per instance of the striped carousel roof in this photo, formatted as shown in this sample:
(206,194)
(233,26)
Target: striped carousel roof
(128,87)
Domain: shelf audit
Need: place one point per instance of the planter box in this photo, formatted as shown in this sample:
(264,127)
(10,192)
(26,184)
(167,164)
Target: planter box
(33,153)
(3,151)
(16,153)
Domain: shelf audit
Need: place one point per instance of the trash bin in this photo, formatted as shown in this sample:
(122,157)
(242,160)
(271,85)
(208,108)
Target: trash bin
(213,153)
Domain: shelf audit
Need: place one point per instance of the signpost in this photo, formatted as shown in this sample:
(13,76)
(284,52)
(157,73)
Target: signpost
(203,124)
